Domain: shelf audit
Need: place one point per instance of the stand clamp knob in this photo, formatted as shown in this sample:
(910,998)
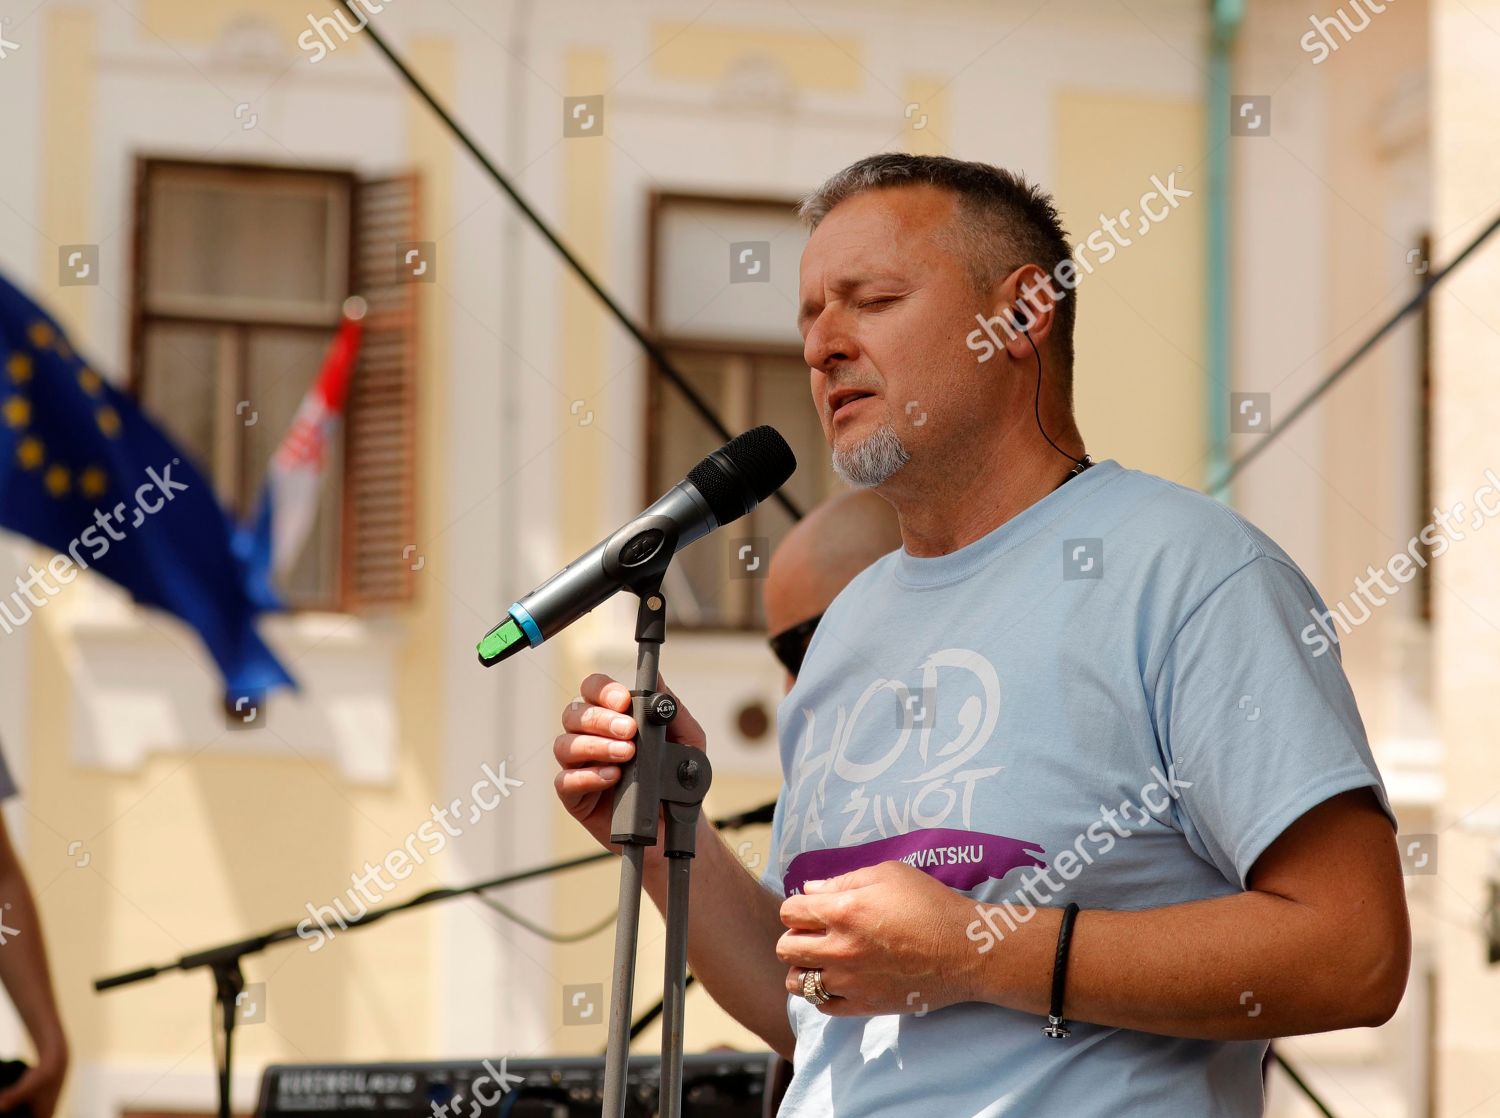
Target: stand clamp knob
(661,708)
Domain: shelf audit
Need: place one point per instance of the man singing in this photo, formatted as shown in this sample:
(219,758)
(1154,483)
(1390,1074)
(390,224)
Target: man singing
(1073,819)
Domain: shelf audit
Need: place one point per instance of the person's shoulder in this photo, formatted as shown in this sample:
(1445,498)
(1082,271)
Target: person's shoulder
(1172,528)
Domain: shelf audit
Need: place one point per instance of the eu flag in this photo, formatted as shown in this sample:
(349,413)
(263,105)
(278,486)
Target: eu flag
(84,472)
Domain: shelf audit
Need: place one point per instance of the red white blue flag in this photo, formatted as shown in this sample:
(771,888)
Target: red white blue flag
(271,541)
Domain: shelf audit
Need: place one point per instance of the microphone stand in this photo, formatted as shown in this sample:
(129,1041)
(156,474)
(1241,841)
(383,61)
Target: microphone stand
(663,780)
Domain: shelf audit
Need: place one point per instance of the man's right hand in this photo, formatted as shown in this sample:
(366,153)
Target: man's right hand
(598,737)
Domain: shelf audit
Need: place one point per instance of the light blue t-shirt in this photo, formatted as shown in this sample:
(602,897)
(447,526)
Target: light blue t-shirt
(1104,700)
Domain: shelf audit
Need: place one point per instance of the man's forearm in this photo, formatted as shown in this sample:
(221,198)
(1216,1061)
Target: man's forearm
(733,927)
(1248,966)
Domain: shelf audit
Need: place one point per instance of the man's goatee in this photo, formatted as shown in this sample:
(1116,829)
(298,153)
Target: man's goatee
(869,462)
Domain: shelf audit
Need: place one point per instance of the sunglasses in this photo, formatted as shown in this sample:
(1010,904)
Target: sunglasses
(790,645)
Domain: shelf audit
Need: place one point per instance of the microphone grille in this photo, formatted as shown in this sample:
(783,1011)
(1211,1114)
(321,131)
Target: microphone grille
(744,472)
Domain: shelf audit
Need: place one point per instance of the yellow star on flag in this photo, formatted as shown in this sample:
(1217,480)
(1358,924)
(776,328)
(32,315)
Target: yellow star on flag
(89,380)
(18,365)
(92,482)
(30,452)
(41,334)
(57,480)
(18,411)
(108,420)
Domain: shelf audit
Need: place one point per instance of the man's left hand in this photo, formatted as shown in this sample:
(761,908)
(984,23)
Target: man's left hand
(888,939)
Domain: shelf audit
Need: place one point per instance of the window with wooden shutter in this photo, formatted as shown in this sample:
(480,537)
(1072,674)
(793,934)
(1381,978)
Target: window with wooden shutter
(380,438)
(240,274)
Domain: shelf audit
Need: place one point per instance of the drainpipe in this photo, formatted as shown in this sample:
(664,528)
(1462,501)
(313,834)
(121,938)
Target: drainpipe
(1226,16)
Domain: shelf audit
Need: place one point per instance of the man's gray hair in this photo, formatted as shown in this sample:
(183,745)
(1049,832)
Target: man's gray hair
(1004,221)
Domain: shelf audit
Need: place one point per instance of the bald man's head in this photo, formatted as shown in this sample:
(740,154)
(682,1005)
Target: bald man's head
(823,552)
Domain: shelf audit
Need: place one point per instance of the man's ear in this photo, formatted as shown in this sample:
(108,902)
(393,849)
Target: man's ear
(1026,301)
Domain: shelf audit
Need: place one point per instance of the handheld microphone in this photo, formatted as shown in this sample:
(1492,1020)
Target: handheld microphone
(718,490)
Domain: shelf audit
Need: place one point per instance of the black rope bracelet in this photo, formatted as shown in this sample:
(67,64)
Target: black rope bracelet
(1057,1026)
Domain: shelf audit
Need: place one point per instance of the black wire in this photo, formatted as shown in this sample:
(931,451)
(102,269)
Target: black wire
(1300,1082)
(756,816)
(546,933)
(1081,463)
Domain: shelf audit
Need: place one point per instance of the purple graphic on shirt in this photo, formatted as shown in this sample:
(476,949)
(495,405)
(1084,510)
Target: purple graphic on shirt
(959,859)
